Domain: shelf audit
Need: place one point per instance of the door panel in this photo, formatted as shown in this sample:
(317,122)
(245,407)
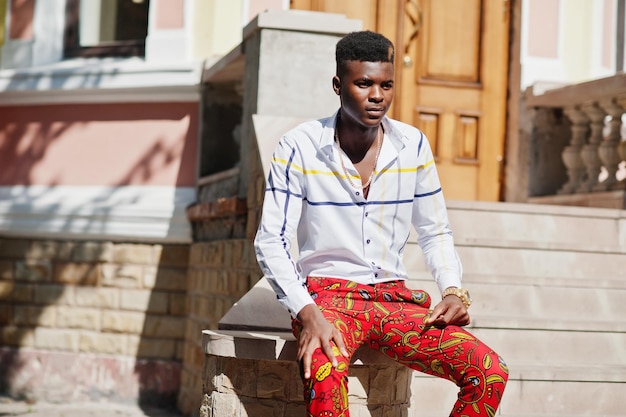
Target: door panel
(451,80)
(450,50)
(365,10)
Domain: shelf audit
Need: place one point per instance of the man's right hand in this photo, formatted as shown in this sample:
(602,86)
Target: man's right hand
(317,333)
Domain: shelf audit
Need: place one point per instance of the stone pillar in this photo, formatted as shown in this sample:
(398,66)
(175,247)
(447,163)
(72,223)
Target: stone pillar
(290,62)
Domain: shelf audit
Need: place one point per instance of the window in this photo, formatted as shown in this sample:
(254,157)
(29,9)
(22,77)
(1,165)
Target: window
(105,28)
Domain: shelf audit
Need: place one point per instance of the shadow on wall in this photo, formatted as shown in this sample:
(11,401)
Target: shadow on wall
(84,319)
(98,144)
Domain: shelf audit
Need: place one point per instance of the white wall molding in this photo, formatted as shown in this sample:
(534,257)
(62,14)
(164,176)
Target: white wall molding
(129,213)
(101,81)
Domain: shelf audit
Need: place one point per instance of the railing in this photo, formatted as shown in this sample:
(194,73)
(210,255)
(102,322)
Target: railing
(578,139)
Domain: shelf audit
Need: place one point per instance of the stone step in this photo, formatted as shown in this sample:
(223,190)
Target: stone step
(607,269)
(538,226)
(545,306)
(541,304)
(558,350)
(552,384)
(523,398)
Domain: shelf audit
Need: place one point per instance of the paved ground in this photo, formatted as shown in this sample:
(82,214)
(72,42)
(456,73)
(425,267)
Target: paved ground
(10,407)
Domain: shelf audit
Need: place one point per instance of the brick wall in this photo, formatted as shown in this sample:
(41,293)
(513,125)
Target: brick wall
(220,273)
(82,320)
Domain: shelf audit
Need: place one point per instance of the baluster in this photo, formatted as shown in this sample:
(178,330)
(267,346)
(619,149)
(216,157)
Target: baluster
(621,149)
(589,152)
(608,149)
(571,154)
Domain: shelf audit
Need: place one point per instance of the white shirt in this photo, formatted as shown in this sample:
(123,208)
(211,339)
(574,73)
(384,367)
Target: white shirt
(340,233)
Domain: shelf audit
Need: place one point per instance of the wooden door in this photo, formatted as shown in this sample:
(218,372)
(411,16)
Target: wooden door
(451,80)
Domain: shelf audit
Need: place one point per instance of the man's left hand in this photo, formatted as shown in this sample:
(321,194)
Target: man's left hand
(450,311)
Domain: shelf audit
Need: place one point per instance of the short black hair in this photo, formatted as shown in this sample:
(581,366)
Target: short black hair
(364,46)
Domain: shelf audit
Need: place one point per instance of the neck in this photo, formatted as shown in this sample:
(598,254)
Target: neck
(356,140)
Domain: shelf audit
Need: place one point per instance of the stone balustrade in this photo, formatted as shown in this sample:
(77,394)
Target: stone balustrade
(578,143)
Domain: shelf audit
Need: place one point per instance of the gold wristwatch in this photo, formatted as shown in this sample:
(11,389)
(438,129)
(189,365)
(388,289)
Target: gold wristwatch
(462,293)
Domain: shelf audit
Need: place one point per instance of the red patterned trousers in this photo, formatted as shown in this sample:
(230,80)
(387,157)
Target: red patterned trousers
(390,318)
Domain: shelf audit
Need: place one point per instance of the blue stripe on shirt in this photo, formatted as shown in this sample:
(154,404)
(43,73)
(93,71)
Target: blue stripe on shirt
(350,203)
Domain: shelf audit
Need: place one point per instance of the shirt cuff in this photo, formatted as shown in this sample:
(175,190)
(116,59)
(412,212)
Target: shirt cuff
(448,281)
(297,300)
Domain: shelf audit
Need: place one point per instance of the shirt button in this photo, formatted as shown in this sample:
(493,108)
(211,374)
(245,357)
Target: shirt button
(376,275)
(368,241)
(357,193)
(366,214)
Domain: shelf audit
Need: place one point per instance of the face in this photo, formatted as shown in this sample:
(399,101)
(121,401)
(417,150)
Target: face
(365,90)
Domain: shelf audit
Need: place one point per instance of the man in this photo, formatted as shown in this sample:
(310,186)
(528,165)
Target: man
(349,187)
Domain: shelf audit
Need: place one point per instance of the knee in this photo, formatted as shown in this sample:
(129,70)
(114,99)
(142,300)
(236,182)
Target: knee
(490,375)
(327,383)
(498,367)
(322,369)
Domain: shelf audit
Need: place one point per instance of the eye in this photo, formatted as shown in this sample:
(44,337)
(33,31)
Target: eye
(363,83)
(387,85)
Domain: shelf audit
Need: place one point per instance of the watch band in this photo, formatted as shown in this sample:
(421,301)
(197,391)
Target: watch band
(462,293)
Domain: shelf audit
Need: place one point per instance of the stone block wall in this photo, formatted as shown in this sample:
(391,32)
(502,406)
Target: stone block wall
(237,387)
(220,273)
(85,320)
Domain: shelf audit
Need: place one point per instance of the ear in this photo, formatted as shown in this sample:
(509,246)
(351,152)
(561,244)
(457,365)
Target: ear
(337,85)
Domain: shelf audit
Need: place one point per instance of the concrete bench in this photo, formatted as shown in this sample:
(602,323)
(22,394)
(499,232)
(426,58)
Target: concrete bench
(252,371)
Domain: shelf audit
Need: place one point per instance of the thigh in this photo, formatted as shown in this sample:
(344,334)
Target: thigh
(450,352)
(344,304)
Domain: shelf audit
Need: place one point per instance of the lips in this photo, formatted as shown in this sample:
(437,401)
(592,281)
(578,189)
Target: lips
(375,109)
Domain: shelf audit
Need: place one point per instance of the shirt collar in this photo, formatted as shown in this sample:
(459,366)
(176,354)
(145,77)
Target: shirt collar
(327,141)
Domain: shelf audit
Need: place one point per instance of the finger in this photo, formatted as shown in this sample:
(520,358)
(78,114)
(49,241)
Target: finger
(301,347)
(306,365)
(338,339)
(435,315)
(462,319)
(328,351)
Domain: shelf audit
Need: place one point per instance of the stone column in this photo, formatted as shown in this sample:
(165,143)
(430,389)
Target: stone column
(572,153)
(589,153)
(621,149)
(608,149)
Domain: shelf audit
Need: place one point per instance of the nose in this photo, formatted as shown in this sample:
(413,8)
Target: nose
(376,94)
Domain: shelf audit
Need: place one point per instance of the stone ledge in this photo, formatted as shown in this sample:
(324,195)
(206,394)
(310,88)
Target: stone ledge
(279,346)
(604,200)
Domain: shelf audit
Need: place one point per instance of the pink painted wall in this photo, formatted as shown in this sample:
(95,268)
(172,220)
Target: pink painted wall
(608,15)
(170,14)
(99,144)
(543,36)
(21,23)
